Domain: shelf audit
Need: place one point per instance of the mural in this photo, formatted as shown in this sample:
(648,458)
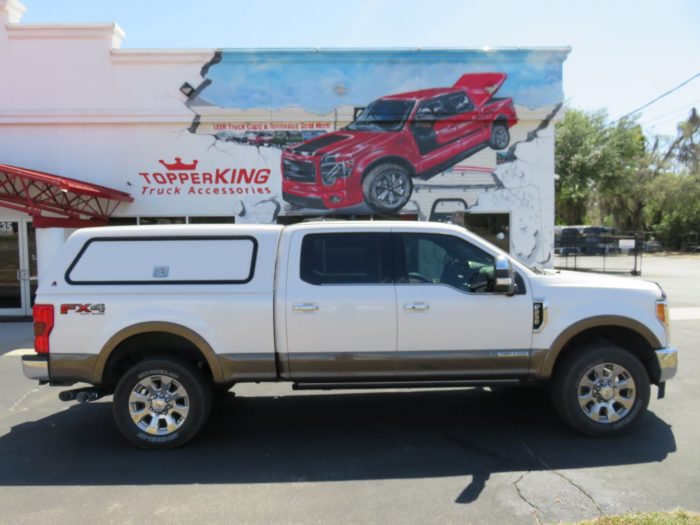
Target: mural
(357,133)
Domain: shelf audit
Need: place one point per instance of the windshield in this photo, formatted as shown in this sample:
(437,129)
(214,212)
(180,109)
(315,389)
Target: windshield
(383,115)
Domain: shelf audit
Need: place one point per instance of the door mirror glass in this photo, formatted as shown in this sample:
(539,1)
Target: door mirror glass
(504,276)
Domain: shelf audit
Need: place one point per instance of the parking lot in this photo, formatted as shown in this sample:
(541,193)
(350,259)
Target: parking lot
(269,454)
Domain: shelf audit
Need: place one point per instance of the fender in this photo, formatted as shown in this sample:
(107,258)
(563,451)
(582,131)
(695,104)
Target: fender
(380,157)
(158,326)
(543,360)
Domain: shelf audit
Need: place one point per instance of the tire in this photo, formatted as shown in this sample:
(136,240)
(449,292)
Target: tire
(500,136)
(159,392)
(584,392)
(387,187)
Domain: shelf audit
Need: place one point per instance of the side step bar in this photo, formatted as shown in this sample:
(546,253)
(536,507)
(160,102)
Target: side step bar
(361,385)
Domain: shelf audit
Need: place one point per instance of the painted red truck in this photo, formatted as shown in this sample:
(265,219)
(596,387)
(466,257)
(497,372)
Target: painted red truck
(397,138)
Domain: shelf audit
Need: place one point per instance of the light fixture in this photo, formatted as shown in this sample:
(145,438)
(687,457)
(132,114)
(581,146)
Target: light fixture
(186,89)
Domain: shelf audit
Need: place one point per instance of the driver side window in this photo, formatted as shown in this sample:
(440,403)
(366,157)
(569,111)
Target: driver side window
(442,259)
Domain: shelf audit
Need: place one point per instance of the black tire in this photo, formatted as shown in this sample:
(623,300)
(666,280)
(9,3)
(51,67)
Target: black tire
(580,412)
(387,187)
(500,136)
(182,387)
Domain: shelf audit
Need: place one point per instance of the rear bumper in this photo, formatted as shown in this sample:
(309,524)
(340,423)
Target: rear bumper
(668,363)
(36,367)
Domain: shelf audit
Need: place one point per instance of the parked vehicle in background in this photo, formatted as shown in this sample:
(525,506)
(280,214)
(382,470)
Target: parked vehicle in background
(139,313)
(264,139)
(282,139)
(652,247)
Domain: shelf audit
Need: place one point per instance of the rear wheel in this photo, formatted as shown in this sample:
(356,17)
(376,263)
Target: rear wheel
(500,136)
(601,389)
(387,187)
(161,403)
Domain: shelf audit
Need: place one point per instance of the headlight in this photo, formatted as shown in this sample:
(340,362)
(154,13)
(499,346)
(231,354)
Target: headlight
(335,167)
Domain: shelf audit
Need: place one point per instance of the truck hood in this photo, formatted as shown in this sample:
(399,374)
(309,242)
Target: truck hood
(344,142)
(569,279)
(481,86)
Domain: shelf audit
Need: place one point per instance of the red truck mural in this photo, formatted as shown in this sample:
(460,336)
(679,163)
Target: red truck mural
(397,138)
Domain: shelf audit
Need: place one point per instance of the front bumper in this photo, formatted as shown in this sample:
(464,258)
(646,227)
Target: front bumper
(668,363)
(36,367)
(343,194)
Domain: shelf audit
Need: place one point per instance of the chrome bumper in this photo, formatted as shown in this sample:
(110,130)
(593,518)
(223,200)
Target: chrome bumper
(668,363)
(36,367)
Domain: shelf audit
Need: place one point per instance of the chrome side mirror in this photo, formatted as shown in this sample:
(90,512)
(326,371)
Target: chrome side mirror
(504,277)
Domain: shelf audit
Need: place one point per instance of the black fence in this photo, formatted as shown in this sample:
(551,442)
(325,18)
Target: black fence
(600,249)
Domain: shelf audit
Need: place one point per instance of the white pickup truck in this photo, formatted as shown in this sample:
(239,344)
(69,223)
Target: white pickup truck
(163,316)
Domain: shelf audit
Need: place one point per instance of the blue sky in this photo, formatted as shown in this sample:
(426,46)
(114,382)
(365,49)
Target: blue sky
(313,79)
(625,52)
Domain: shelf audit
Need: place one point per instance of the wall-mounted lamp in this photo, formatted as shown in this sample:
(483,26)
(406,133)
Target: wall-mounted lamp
(186,89)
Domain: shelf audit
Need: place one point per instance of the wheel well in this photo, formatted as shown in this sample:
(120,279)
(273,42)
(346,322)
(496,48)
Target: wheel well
(393,160)
(150,344)
(626,338)
(500,119)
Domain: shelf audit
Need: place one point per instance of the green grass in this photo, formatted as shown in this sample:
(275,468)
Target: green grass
(677,517)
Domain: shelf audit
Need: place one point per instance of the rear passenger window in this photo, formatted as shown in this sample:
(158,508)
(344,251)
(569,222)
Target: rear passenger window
(346,258)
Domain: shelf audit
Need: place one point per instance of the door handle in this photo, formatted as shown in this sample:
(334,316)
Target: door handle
(305,307)
(416,307)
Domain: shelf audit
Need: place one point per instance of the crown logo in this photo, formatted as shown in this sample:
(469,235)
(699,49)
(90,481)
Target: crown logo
(178,165)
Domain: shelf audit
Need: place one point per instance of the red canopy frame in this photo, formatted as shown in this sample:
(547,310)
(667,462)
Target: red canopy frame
(77,204)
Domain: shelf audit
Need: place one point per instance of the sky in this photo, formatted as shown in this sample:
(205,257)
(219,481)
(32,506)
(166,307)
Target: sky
(624,52)
(247,80)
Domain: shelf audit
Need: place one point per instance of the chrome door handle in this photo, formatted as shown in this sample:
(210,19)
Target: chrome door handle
(305,307)
(416,307)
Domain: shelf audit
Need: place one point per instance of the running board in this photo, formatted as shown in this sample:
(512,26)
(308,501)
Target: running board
(361,385)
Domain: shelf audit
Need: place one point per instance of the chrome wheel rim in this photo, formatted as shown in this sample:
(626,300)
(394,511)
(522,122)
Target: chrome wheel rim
(159,405)
(606,393)
(391,188)
(500,137)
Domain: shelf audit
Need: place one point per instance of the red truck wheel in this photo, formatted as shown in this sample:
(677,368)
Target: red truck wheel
(387,187)
(500,136)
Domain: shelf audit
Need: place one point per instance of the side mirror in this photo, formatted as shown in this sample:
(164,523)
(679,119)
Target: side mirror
(504,276)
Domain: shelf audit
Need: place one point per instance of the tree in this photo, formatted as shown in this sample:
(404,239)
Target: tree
(593,160)
(578,163)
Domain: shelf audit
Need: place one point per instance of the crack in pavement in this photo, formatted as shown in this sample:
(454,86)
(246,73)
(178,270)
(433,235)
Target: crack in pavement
(522,497)
(25,396)
(563,476)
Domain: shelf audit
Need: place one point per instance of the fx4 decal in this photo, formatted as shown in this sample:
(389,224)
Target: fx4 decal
(83,309)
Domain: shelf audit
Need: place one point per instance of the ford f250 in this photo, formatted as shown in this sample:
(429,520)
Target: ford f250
(162,316)
(395,139)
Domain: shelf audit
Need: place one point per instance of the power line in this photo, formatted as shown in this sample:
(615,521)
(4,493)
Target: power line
(676,88)
(673,111)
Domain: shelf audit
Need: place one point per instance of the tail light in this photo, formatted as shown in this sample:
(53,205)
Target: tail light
(43,324)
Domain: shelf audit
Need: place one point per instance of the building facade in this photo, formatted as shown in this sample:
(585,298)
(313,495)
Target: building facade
(93,134)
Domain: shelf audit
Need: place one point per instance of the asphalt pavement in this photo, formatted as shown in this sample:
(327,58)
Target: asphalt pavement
(271,455)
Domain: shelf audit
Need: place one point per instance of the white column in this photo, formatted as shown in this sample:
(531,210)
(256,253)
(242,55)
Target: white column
(11,11)
(48,243)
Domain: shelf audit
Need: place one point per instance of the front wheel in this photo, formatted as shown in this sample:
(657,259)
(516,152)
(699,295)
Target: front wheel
(387,188)
(161,403)
(601,389)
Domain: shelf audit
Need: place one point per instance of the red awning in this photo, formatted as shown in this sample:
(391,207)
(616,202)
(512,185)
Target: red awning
(77,203)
